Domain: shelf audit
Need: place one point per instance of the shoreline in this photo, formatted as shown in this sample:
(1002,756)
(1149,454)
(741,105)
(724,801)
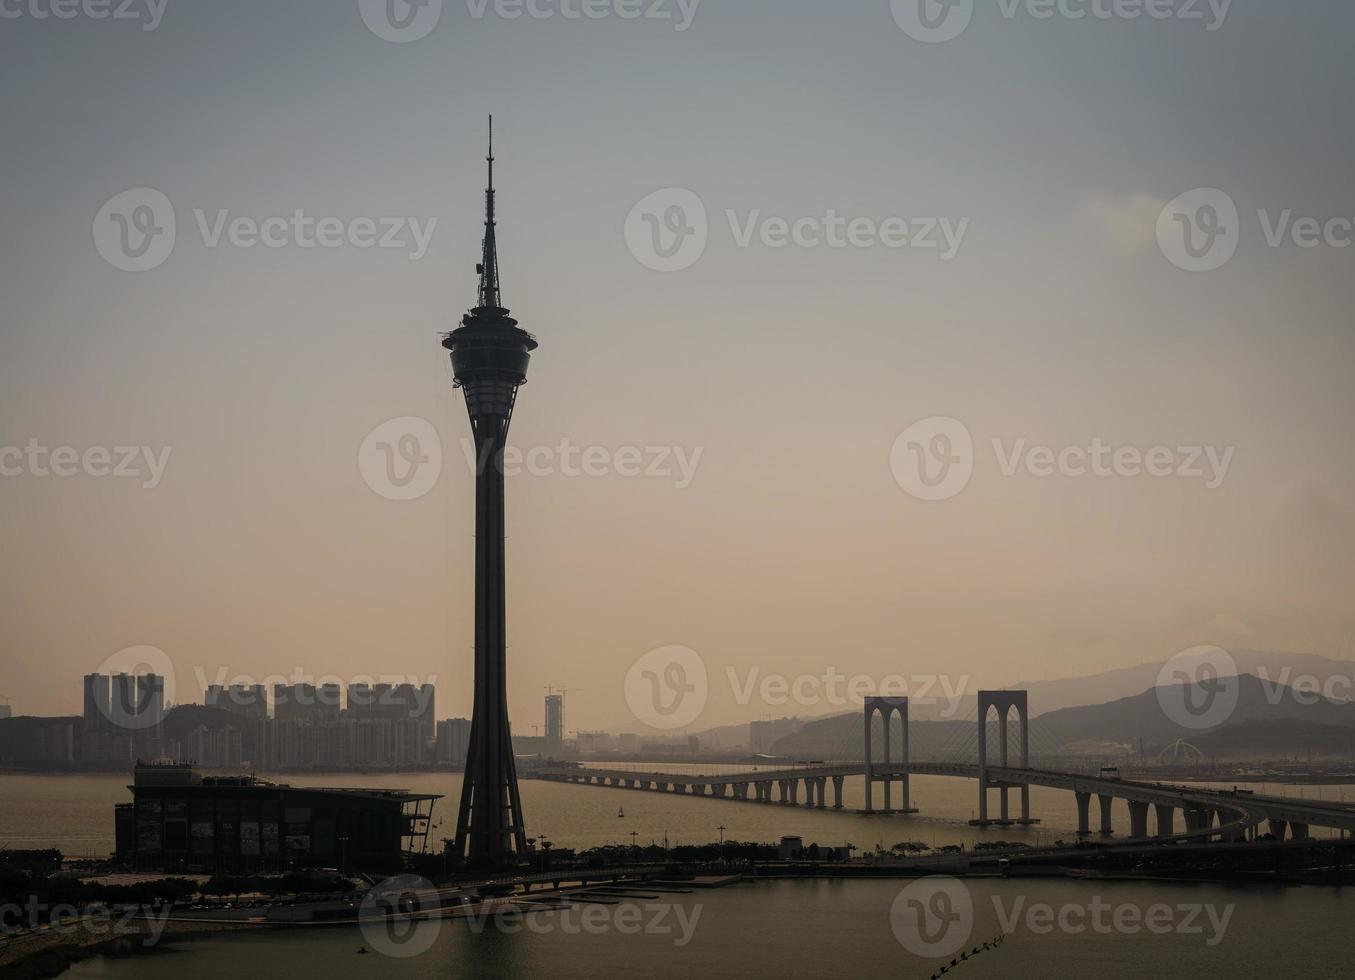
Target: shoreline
(52,956)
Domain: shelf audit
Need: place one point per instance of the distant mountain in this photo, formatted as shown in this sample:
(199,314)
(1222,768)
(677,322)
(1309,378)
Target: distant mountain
(1282,668)
(1117,726)
(1280,740)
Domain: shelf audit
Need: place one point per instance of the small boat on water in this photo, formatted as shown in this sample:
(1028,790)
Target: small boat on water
(620,811)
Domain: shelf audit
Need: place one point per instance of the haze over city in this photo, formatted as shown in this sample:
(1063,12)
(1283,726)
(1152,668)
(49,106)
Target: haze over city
(703,488)
(790,371)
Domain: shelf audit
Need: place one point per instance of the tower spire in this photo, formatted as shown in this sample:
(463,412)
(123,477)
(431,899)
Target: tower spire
(489,264)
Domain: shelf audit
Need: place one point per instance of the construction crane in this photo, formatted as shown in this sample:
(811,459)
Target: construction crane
(562,691)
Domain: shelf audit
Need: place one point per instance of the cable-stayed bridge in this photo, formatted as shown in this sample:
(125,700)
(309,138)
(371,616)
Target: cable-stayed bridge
(997,755)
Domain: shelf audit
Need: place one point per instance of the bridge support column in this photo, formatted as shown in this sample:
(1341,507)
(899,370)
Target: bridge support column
(784,786)
(720,790)
(837,792)
(1199,818)
(1277,828)
(1299,830)
(1105,801)
(888,770)
(1084,805)
(820,791)
(1003,702)
(1166,816)
(1138,819)
(810,786)
(794,792)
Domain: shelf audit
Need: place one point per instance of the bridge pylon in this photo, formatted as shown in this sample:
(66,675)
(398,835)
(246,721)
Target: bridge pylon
(1003,702)
(888,770)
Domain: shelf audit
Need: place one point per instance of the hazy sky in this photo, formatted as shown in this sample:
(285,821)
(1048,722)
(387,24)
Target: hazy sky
(792,370)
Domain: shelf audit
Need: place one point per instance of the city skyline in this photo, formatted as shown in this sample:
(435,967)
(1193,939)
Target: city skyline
(261,543)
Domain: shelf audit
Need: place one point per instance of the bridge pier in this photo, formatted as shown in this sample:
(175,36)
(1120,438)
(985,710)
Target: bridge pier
(1105,801)
(1138,819)
(1166,816)
(1003,702)
(784,786)
(888,771)
(820,790)
(1084,805)
(1198,818)
(809,790)
(794,792)
(1277,827)
(1299,831)
(837,792)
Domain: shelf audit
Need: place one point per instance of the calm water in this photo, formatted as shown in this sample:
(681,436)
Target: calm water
(750,930)
(75,813)
(814,929)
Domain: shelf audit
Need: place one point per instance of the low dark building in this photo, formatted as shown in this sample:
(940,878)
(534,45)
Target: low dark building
(179,820)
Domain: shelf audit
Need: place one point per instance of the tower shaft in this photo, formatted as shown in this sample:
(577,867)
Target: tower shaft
(489,823)
(490,354)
